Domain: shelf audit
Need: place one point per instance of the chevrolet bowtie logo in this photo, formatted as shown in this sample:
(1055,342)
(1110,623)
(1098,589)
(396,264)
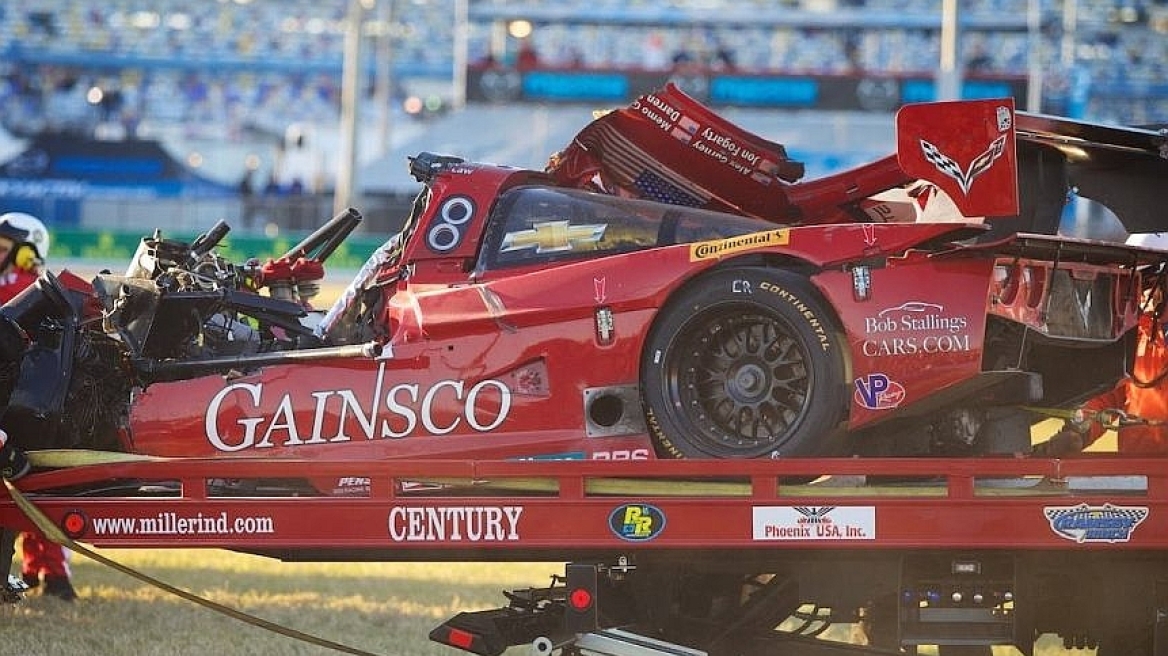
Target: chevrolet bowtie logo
(553,237)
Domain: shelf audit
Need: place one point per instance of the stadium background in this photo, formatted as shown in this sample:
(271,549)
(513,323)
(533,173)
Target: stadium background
(119,116)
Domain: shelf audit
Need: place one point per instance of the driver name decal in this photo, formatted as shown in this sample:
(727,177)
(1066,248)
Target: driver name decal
(338,415)
(455,523)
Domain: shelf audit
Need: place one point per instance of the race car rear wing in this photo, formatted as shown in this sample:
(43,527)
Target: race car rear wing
(1123,168)
(1012,167)
(1068,250)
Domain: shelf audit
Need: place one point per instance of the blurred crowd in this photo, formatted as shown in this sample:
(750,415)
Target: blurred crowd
(228,63)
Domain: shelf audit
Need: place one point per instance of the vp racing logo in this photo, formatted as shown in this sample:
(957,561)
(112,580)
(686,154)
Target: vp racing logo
(637,522)
(1086,524)
(878,392)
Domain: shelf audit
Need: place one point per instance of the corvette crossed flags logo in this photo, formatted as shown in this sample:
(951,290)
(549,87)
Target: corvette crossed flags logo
(951,168)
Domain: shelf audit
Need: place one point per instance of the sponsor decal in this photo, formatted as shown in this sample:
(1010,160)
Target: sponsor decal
(404,409)
(1005,118)
(352,486)
(878,392)
(446,230)
(742,286)
(686,129)
(455,523)
(605,326)
(1085,524)
(621,454)
(172,523)
(794,523)
(553,237)
(915,327)
(719,247)
(636,522)
(861,282)
(979,165)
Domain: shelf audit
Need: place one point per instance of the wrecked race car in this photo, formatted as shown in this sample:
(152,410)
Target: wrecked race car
(666,288)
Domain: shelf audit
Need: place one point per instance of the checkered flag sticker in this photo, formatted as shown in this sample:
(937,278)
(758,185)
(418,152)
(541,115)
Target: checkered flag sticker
(1106,523)
(951,168)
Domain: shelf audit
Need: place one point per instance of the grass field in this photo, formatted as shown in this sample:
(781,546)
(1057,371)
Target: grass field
(381,608)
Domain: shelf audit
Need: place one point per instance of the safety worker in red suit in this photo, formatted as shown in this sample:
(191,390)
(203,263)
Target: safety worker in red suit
(24,243)
(14,245)
(1137,407)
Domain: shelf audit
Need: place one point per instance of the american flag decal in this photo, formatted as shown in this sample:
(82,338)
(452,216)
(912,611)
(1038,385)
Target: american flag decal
(655,187)
(951,168)
(636,170)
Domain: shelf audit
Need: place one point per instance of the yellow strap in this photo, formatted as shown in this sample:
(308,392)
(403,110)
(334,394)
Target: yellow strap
(54,533)
(65,458)
(1108,418)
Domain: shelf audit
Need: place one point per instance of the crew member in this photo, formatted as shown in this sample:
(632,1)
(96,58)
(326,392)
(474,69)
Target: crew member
(24,243)
(19,261)
(1137,407)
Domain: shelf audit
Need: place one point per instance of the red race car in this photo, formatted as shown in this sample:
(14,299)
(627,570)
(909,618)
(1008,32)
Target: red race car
(666,288)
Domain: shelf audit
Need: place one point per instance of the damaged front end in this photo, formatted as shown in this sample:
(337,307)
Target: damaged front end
(73,353)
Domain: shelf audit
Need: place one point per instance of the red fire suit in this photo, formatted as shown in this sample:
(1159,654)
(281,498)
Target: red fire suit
(1143,396)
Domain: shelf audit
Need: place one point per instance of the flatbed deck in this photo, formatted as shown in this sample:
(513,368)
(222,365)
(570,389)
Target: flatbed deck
(435,510)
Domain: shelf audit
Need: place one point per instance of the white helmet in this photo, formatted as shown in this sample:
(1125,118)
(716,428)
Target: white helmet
(1154,240)
(38,234)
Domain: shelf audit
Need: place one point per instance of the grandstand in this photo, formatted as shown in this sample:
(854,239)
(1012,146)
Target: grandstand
(231,86)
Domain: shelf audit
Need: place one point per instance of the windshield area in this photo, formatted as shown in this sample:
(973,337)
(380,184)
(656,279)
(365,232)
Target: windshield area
(540,225)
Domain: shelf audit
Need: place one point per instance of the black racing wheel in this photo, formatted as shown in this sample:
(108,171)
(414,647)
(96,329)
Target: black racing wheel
(745,363)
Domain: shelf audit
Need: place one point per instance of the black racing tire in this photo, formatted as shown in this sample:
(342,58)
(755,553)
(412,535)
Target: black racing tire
(745,363)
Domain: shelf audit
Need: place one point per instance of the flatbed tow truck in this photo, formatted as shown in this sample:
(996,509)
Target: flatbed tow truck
(694,557)
(501,283)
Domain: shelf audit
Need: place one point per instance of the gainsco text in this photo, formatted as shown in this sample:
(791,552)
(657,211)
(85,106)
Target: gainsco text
(341,415)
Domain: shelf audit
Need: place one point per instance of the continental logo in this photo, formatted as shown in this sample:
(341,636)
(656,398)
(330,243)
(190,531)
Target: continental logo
(719,247)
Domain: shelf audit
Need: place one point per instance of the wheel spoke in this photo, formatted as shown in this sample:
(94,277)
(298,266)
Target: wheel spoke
(741,378)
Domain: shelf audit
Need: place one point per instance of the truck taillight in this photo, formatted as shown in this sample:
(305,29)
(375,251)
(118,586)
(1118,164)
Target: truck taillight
(460,639)
(580,599)
(471,632)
